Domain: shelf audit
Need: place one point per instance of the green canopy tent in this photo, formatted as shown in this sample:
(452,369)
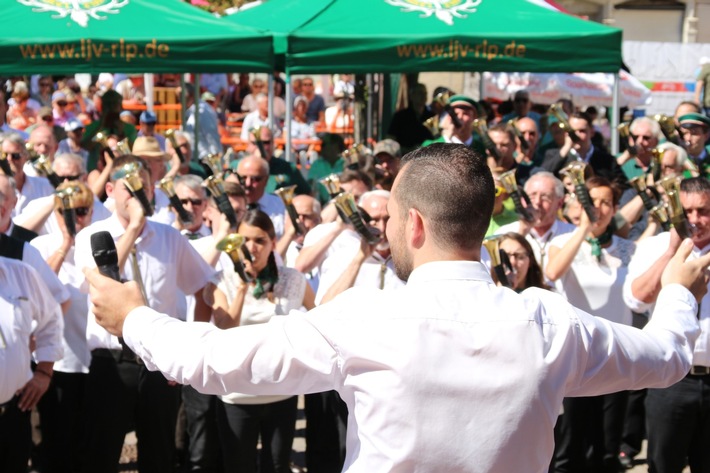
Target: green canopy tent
(63,36)
(453,35)
(326,36)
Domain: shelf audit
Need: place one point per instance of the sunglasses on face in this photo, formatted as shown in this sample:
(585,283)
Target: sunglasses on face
(194,202)
(13,156)
(82,211)
(70,178)
(62,103)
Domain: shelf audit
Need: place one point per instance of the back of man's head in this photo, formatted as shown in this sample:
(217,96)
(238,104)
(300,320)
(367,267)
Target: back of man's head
(452,187)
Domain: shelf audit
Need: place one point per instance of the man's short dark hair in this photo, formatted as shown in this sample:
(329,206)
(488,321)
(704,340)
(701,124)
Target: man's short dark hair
(452,187)
(350,175)
(695,185)
(583,116)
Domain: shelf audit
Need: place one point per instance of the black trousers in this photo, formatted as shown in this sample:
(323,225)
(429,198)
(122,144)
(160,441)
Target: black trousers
(15,438)
(326,430)
(241,425)
(678,426)
(122,396)
(62,422)
(201,426)
(588,434)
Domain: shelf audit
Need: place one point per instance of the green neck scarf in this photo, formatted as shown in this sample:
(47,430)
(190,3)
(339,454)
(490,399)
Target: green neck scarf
(265,281)
(597,243)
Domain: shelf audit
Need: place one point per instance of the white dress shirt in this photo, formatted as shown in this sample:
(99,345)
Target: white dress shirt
(33,188)
(596,286)
(76,353)
(648,251)
(166,261)
(449,373)
(51,225)
(540,243)
(32,257)
(25,309)
(273,206)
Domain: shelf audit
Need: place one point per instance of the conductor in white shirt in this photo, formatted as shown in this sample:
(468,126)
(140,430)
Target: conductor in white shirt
(449,373)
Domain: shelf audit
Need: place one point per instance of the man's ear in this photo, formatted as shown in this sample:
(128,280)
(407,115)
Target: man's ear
(415,226)
(109,188)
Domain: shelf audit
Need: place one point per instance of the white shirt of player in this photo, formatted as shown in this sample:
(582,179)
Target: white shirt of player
(26,308)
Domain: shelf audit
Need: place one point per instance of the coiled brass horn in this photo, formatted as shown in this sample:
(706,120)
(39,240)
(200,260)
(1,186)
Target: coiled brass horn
(575,170)
(492,245)
(556,111)
(346,204)
(233,245)
(167,185)
(286,195)
(518,195)
(130,173)
(676,213)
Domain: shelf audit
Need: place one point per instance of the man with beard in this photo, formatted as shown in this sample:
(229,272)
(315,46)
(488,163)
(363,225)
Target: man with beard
(449,373)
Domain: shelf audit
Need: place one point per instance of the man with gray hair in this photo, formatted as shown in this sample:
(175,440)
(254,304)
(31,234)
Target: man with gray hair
(644,133)
(39,216)
(547,194)
(258,118)
(27,187)
(193,198)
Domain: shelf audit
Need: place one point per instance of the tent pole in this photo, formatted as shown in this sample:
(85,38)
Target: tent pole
(149,91)
(196,151)
(369,107)
(615,116)
(289,118)
(183,101)
(272,119)
(481,86)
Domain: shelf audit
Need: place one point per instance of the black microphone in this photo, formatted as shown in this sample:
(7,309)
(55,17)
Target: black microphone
(103,249)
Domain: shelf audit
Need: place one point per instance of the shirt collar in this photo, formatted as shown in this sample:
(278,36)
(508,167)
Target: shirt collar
(443,270)
(114,227)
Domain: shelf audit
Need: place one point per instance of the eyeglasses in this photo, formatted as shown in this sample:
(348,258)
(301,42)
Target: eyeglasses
(62,103)
(70,178)
(643,137)
(520,256)
(48,118)
(194,202)
(82,211)
(13,156)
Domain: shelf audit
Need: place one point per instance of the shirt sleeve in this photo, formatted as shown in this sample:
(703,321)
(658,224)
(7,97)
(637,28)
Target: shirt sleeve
(617,357)
(287,355)
(32,257)
(47,315)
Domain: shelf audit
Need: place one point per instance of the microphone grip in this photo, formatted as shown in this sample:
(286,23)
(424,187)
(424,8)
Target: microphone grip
(143,199)
(226,208)
(110,271)
(70,220)
(183,214)
(586,201)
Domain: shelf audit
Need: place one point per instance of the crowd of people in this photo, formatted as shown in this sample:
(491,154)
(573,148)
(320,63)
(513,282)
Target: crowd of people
(595,241)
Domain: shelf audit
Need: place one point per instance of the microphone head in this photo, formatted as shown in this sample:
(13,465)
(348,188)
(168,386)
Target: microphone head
(103,249)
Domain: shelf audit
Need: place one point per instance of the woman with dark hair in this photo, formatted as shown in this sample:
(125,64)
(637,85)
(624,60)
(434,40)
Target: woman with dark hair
(589,267)
(275,291)
(526,270)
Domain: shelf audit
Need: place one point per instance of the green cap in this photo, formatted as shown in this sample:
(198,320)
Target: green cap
(690,120)
(463,98)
